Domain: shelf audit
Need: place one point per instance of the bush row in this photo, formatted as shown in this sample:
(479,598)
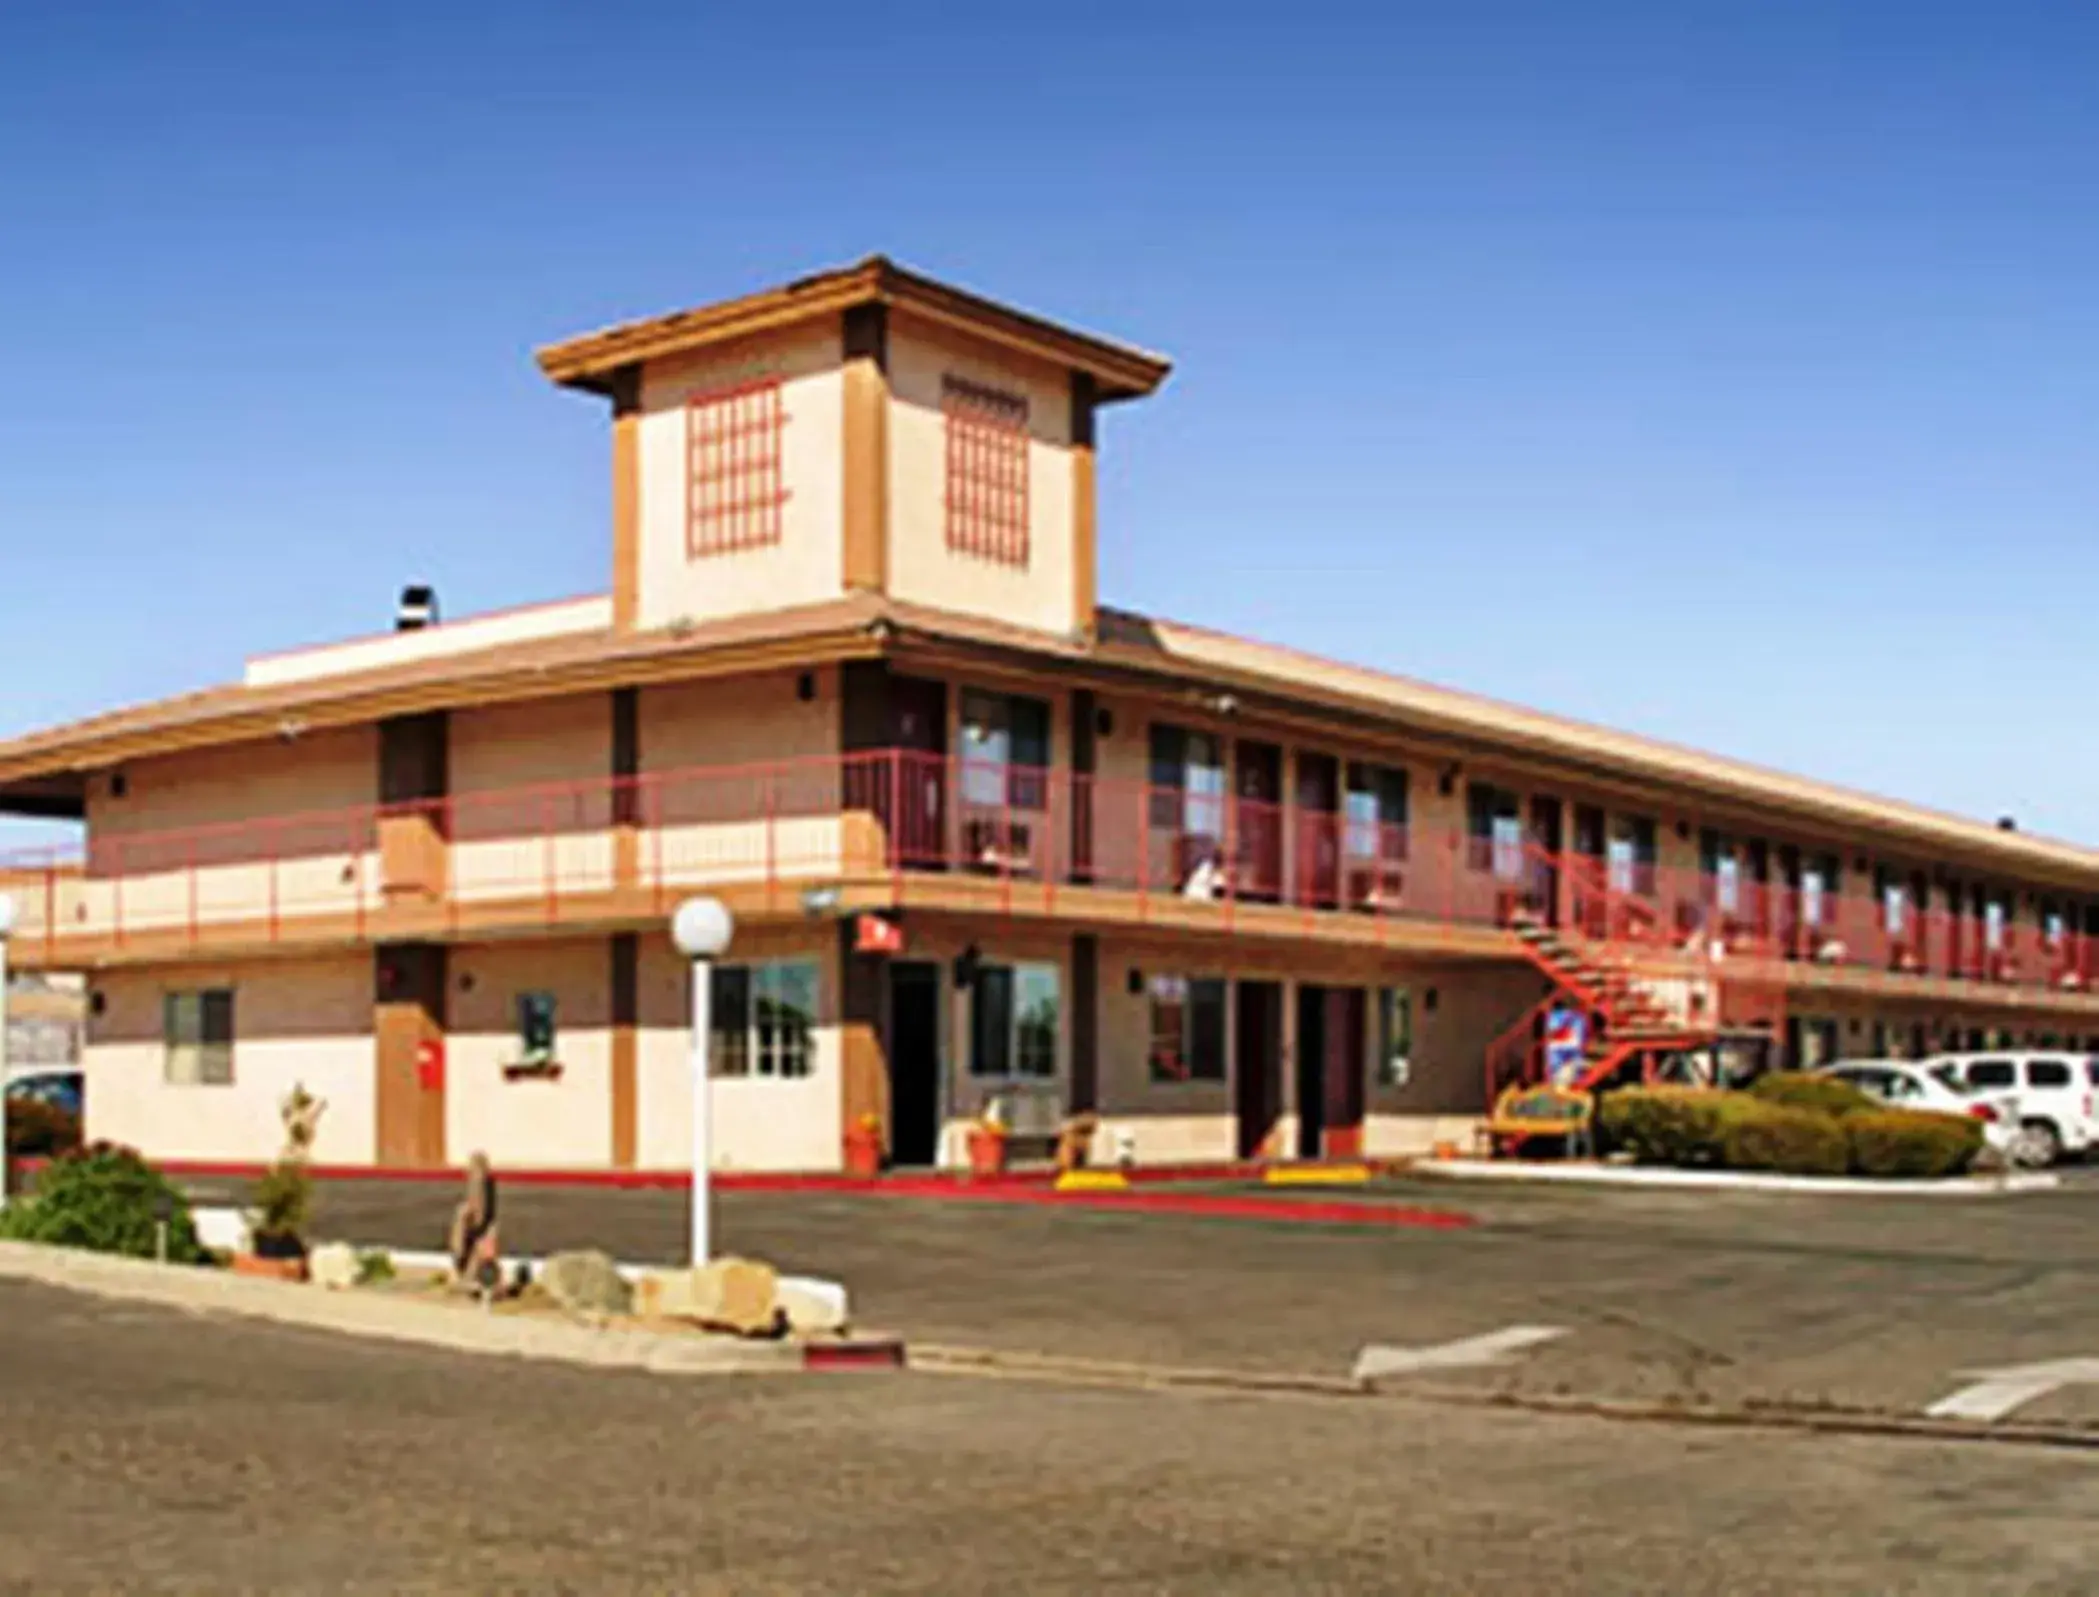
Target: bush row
(1696,1127)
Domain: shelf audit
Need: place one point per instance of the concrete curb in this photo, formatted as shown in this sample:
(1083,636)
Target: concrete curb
(205,1291)
(1734,1180)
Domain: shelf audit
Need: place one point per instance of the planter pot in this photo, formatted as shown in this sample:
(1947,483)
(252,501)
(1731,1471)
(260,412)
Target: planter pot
(987,1152)
(863,1154)
(256,1264)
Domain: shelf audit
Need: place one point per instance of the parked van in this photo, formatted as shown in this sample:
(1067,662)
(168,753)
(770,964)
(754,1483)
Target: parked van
(2057,1092)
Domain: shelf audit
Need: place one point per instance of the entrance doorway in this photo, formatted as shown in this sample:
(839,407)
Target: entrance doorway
(914,1063)
(1330,1036)
(1258,814)
(1257,1053)
(1319,830)
(918,731)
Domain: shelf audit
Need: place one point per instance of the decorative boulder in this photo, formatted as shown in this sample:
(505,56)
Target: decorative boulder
(332,1264)
(727,1295)
(587,1283)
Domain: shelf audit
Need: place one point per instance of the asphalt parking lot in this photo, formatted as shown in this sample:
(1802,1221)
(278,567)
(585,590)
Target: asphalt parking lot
(1871,1304)
(147,1451)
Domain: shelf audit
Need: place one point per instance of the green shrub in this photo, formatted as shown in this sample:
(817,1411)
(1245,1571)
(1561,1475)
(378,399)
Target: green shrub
(1663,1125)
(40,1130)
(1767,1136)
(102,1198)
(1912,1142)
(375,1267)
(1824,1095)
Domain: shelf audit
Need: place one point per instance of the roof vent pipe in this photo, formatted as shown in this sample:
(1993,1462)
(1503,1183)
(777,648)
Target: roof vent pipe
(417,608)
(2005,823)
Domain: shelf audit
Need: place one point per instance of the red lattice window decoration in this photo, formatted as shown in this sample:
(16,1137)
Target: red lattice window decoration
(733,490)
(987,471)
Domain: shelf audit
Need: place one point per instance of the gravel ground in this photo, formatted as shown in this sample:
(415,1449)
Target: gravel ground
(142,1450)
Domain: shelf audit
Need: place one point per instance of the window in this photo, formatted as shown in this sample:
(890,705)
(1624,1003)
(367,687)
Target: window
(1631,853)
(1015,1021)
(733,486)
(1819,881)
(197,1034)
(1005,750)
(763,1018)
(1995,921)
(987,471)
(1377,812)
(535,1028)
(1720,863)
(1992,1073)
(1187,780)
(1187,1029)
(1494,830)
(2048,1073)
(1395,1036)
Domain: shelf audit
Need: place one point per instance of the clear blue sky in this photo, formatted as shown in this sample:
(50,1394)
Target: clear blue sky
(1726,373)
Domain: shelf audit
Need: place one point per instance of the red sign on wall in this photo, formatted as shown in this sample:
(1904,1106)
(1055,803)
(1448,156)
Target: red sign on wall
(873,934)
(430,1064)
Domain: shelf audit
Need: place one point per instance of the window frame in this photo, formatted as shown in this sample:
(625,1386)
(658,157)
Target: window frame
(1191,1051)
(761,1052)
(735,439)
(985,502)
(205,1048)
(992,773)
(1014,1045)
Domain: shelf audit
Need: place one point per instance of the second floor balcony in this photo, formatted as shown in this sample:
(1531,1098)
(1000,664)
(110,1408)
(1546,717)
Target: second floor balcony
(896,828)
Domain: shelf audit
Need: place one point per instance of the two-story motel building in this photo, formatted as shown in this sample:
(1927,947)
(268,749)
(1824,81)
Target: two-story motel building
(851,674)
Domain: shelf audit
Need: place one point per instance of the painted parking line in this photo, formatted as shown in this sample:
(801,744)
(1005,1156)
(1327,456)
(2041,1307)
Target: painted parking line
(1472,1352)
(1996,1393)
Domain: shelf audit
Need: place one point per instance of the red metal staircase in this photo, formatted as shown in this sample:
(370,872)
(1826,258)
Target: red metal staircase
(1625,1020)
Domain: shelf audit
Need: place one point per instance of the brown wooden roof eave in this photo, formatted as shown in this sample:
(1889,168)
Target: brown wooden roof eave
(838,630)
(589,362)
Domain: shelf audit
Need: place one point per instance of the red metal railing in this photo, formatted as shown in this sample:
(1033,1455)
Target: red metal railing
(1025,835)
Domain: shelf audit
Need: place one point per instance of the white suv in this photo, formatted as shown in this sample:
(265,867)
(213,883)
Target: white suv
(2057,1092)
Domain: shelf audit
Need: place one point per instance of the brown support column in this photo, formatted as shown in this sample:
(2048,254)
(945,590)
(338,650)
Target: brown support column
(625,976)
(408,1016)
(866,448)
(1085,1022)
(626,497)
(626,792)
(1085,576)
(865,1088)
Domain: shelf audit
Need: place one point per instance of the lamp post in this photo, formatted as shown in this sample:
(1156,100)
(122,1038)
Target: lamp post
(702,928)
(7,926)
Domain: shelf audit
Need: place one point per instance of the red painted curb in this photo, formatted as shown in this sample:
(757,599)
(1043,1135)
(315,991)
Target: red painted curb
(868,1353)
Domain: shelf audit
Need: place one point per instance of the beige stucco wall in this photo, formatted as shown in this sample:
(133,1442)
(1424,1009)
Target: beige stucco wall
(307,1023)
(720,757)
(530,1122)
(807,564)
(922,568)
(759,1123)
(531,800)
(215,834)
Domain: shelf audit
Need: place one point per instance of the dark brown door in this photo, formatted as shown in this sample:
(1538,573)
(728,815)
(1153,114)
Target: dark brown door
(1346,1015)
(1310,1076)
(914,1062)
(1319,830)
(918,732)
(1257,1062)
(1257,820)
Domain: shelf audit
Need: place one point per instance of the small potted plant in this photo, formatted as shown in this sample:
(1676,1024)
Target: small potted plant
(863,1147)
(283,1198)
(283,1202)
(987,1144)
